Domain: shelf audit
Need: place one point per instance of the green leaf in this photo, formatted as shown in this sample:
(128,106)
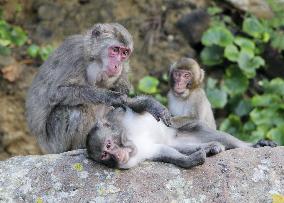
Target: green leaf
(231,53)
(267,116)
(5,51)
(5,42)
(260,133)
(44,52)
(217,97)
(245,43)
(266,100)
(214,10)
(277,134)
(18,36)
(217,35)
(235,82)
(243,107)
(248,63)
(278,41)
(161,99)
(148,85)
(33,50)
(212,55)
(211,83)
(253,27)
(275,86)
(232,125)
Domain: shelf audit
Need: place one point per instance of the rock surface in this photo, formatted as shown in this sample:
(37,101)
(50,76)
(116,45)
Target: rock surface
(240,175)
(260,8)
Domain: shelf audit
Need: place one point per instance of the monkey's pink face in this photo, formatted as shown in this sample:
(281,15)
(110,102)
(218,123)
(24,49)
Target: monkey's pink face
(181,79)
(116,56)
(112,152)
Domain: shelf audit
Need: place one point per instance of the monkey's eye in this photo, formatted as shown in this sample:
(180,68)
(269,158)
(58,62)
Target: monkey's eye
(125,53)
(187,75)
(115,49)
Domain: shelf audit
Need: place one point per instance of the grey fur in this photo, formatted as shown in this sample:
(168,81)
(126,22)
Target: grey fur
(193,102)
(188,147)
(70,93)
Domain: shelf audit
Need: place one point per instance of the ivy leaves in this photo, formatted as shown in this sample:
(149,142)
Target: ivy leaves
(10,36)
(236,50)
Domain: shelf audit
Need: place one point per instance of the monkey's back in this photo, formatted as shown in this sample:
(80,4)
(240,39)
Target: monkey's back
(52,73)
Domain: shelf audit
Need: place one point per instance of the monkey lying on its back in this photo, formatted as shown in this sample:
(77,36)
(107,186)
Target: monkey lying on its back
(124,138)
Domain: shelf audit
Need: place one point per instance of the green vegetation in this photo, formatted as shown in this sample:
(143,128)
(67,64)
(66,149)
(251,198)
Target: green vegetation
(14,36)
(42,52)
(150,85)
(256,105)
(10,36)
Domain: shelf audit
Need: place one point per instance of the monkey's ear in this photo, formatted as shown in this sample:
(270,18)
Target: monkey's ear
(201,76)
(97,30)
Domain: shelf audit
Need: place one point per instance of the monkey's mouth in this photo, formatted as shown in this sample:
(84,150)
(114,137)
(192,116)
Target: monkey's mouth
(122,156)
(114,70)
(179,89)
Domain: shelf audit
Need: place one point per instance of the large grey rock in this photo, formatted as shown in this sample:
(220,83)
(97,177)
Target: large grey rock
(260,8)
(240,175)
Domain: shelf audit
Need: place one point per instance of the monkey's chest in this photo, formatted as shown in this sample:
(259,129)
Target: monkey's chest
(180,107)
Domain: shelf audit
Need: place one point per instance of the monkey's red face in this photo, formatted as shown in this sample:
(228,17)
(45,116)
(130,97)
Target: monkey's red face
(181,79)
(116,56)
(113,152)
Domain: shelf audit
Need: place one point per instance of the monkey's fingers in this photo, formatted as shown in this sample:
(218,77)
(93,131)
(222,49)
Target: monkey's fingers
(166,118)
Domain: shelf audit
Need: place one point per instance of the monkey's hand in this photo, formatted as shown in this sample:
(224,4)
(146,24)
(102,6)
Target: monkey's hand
(263,143)
(117,99)
(158,111)
(146,103)
(161,113)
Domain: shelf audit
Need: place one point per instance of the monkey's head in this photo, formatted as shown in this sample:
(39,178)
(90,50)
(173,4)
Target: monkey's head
(110,46)
(185,75)
(105,145)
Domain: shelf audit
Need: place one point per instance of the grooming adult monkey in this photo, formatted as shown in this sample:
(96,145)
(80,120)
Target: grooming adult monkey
(186,96)
(124,138)
(72,88)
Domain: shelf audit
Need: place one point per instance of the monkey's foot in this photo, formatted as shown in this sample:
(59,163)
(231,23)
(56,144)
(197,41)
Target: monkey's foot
(195,159)
(263,143)
(214,148)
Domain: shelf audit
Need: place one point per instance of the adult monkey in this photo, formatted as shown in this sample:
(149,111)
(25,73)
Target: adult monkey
(72,87)
(186,96)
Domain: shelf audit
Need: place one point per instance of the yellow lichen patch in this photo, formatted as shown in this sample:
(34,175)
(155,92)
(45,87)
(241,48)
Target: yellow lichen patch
(117,171)
(277,198)
(78,167)
(39,200)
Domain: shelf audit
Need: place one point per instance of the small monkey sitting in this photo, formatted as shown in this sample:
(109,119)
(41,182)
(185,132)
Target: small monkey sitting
(186,96)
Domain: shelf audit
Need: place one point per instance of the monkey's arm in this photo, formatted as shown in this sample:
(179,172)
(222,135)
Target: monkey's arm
(140,104)
(76,95)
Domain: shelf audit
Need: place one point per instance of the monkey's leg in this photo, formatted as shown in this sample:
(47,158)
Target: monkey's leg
(168,154)
(185,146)
(200,133)
(66,129)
